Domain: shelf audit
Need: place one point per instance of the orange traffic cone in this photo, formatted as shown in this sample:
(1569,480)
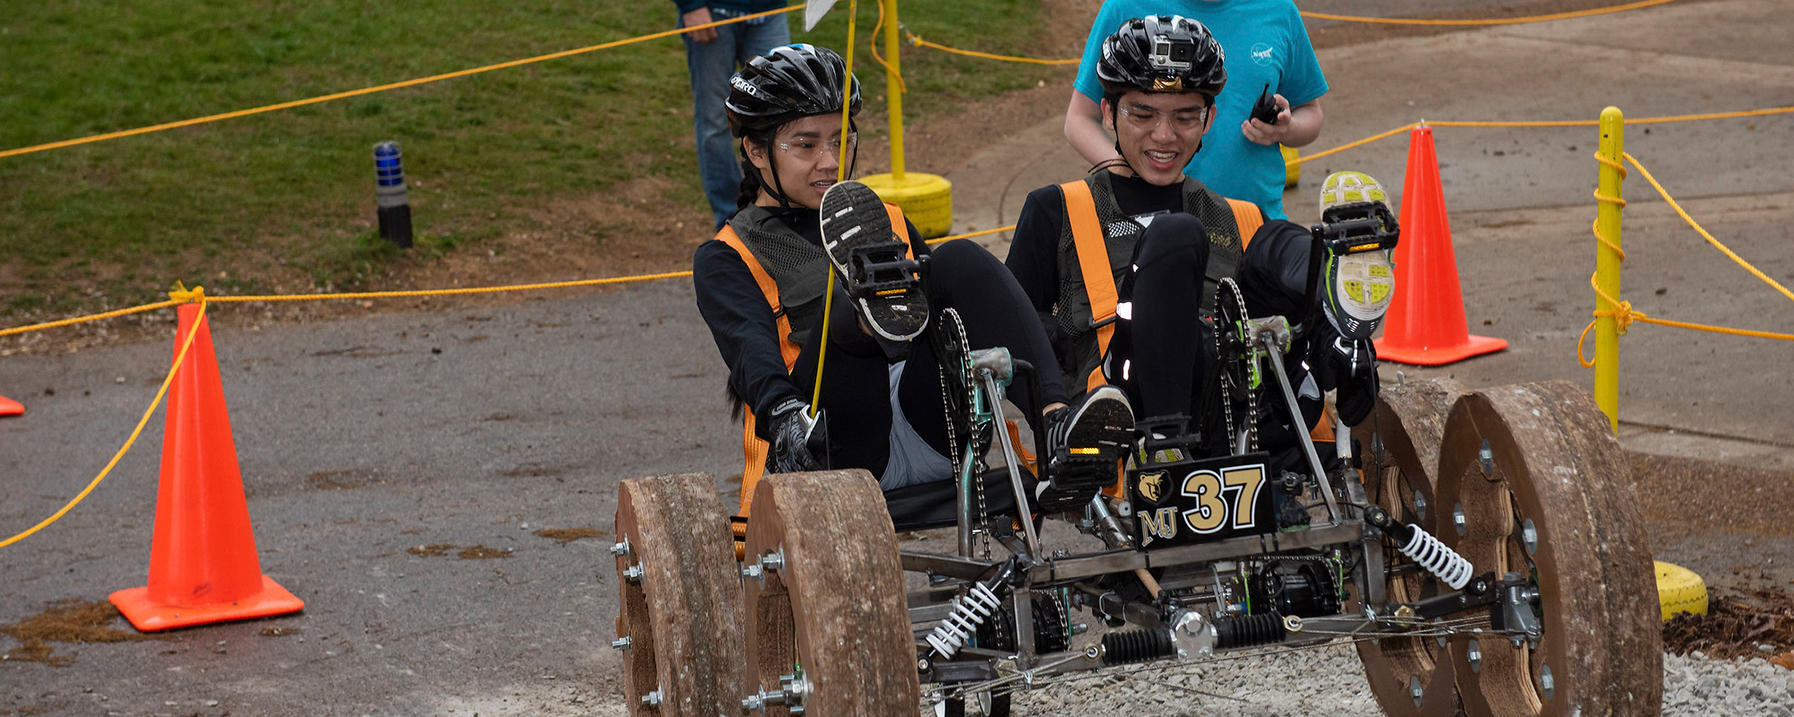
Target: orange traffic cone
(1425,325)
(9,407)
(203,566)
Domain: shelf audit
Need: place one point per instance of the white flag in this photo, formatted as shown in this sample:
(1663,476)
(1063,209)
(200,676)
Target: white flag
(813,12)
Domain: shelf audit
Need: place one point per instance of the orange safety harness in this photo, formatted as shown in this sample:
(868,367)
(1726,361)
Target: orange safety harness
(1099,279)
(753,448)
(1093,261)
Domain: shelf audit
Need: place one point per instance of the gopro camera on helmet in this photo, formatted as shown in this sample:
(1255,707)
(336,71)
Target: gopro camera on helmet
(1170,55)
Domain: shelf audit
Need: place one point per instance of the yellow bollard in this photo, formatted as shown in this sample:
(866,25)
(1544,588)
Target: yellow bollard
(1292,169)
(1608,258)
(926,199)
(894,90)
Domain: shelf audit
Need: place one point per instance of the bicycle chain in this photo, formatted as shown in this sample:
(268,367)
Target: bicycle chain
(1227,285)
(950,317)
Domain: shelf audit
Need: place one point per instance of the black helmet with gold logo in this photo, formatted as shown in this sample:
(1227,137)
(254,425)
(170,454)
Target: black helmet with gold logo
(1163,53)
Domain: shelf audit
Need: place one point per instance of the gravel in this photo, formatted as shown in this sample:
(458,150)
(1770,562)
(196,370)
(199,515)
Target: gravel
(1291,683)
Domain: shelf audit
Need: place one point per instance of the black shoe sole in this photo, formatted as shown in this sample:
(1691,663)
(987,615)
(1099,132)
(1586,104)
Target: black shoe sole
(856,233)
(1102,431)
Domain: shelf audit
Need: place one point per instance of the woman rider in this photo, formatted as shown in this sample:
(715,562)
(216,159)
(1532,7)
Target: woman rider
(761,283)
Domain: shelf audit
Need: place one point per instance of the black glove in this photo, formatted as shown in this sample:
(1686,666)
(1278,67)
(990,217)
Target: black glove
(799,440)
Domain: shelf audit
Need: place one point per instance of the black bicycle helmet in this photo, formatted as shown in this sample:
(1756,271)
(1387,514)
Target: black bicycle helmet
(788,83)
(1163,53)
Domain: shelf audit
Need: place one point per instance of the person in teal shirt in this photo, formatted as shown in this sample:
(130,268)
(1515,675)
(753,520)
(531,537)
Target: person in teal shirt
(1266,46)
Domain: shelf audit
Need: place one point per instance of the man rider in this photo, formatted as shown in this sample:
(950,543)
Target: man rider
(1127,262)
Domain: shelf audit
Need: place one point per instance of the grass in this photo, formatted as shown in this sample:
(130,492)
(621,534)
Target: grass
(115,222)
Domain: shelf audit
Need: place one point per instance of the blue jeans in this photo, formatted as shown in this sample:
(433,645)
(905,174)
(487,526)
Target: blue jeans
(711,64)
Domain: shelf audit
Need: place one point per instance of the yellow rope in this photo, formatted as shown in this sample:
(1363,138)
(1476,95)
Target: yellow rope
(678,274)
(1545,123)
(179,357)
(452,292)
(1359,143)
(84,319)
(1622,312)
(969,235)
(1507,21)
(385,87)
(352,295)
(1703,232)
(872,42)
(915,39)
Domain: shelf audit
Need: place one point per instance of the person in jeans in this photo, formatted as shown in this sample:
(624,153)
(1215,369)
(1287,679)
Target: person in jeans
(712,54)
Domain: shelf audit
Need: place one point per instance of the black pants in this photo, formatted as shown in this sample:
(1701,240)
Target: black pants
(1163,353)
(855,379)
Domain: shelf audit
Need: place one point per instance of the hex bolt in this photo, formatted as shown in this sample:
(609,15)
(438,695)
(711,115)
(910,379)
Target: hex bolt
(751,571)
(621,643)
(774,561)
(1487,458)
(633,573)
(1420,505)
(1529,535)
(759,700)
(652,699)
(1475,656)
(621,548)
(1547,684)
(1415,690)
(1457,517)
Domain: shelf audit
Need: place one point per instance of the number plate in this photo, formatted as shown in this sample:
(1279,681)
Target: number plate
(1200,501)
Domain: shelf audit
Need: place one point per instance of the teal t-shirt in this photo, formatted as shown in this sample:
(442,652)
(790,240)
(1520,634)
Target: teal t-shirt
(1265,43)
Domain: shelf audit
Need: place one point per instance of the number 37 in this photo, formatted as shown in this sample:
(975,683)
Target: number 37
(1211,492)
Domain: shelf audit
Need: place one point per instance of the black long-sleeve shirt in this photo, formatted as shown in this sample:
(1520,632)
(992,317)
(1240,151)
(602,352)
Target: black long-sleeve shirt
(1034,254)
(742,323)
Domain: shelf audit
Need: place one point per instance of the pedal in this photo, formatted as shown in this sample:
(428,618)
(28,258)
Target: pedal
(880,276)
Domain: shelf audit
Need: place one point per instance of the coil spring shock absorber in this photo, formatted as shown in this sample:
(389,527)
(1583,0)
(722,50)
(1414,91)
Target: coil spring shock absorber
(1424,549)
(969,611)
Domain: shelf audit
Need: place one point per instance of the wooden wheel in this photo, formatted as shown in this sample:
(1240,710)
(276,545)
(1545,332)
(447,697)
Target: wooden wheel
(1401,443)
(680,602)
(1545,492)
(831,606)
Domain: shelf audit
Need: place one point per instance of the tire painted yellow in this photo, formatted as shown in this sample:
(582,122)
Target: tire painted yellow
(926,200)
(1292,170)
(1679,590)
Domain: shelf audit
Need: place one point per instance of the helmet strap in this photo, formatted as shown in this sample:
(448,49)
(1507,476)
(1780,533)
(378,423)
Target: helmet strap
(777,190)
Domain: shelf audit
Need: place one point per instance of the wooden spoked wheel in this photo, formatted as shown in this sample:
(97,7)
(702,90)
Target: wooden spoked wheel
(680,601)
(830,607)
(1532,482)
(1401,444)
